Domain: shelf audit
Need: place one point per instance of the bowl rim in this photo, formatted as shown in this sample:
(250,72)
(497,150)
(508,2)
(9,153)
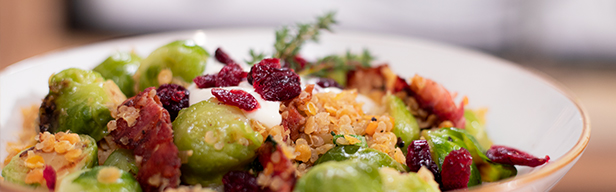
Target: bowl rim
(503,185)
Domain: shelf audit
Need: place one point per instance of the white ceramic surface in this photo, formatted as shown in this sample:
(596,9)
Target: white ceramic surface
(526,111)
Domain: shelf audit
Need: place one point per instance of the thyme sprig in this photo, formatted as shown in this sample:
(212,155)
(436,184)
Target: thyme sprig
(289,40)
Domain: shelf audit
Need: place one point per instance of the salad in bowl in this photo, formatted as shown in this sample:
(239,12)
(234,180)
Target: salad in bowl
(172,121)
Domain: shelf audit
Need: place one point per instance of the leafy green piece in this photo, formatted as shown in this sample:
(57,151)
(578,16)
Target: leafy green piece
(120,68)
(362,140)
(349,175)
(255,57)
(476,128)
(405,125)
(88,181)
(393,180)
(123,159)
(367,155)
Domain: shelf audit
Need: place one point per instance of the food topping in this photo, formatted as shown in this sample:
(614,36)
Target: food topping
(174,98)
(151,137)
(50,177)
(222,57)
(239,181)
(236,97)
(272,82)
(230,75)
(419,156)
(456,169)
(108,175)
(35,176)
(511,156)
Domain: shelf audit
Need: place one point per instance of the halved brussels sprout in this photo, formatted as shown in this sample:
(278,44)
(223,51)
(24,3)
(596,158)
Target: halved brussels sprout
(220,138)
(476,128)
(100,179)
(182,61)
(350,175)
(367,155)
(405,125)
(63,157)
(79,101)
(123,159)
(120,67)
(394,181)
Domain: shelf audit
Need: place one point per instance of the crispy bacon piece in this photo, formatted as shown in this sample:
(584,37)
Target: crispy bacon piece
(278,171)
(146,128)
(434,97)
(292,119)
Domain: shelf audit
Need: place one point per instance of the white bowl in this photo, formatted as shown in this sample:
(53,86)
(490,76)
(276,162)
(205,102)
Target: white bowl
(527,110)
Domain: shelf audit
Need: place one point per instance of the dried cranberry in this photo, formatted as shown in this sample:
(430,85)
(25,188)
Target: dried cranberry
(49,174)
(239,181)
(173,97)
(456,169)
(419,155)
(272,82)
(222,57)
(230,75)
(511,156)
(205,81)
(236,97)
(301,61)
(328,82)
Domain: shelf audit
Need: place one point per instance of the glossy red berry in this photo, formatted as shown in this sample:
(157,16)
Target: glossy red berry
(239,181)
(236,97)
(456,169)
(223,57)
(230,75)
(173,97)
(511,156)
(418,155)
(272,82)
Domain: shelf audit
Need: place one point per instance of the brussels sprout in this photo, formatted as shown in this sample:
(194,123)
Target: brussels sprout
(220,137)
(120,67)
(394,181)
(405,125)
(476,128)
(349,175)
(99,179)
(123,159)
(367,155)
(184,59)
(79,101)
(16,171)
(445,140)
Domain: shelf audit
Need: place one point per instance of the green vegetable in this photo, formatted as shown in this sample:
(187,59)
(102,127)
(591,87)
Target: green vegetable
(337,67)
(79,101)
(445,140)
(220,137)
(16,170)
(88,181)
(288,43)
(405,125)
(362,140)
(185,59)
(350,175)
(477,129)
(394,181)
(120,67)
(123,159)
(366,155)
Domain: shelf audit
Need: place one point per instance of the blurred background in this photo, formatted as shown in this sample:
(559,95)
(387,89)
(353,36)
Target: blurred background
(574,41)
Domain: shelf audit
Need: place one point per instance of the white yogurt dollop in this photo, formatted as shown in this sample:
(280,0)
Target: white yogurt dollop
(267,113)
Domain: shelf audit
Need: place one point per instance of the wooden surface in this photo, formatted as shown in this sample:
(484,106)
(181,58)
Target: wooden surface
(31,27)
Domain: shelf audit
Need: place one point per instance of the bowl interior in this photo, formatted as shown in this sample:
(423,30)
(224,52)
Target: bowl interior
(525,111)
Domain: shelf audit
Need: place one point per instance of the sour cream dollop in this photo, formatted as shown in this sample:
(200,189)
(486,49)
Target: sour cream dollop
(267,113)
